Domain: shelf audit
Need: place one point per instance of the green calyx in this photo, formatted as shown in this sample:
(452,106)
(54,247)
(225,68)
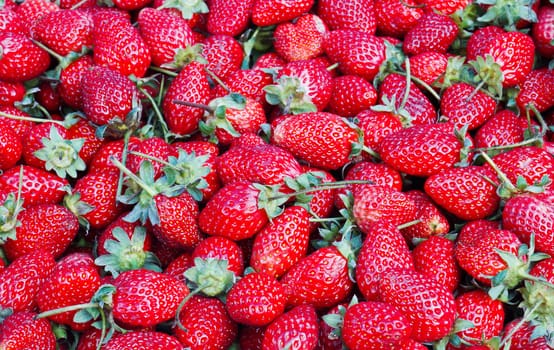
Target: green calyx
(61,155)
(389,105)
(291,95)
(210,276)
(188,171)
(73,202)
(488,75)
(218,116)
(187,7)
(127,253)
(506,13)
(184,56)
(9,211)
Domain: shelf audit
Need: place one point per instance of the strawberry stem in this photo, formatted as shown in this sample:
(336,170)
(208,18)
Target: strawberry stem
(30,119)
(408,224)
(159,114)
(423,84)
(164,71)
(195,105)
(531,107)
(326,186)
(153,193)
(408,85)
(67,309)
(499,173)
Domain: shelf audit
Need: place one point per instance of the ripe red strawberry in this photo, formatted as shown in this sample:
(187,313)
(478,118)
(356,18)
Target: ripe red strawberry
(446,8)
(320,279)
(191,85)
(223,53)
(383,249)
(543,31)
(46,226)
(118,45)
(480,40)
(71,76)
(11,148)
(321,203)
(464,192)
(322,139)
(268,12)
(163,33)
(301,39)
(106,94)
(357,52)
(434,258)
(458,108)
(64,31)
(396,18)
(22,279)
(373,203)
(37,186)
(427,304)
(250,83)
(502,129)
(206,325)
(544,268)
(156,295)
(82,129)
(282,242)
(417,108)
(351,95)
(30,11)
(11,93)
(356,15)
(297,328)
(376,125)
(21,59)
(120,223)
(73,281)
(422,150)
(10,21)
(521,332)
(259,289)
(433,32)
(531,213)
(233,212)
(137,340)
(155,147)
(486,314)
(20,126)
(428,66)
(432,220)
(221,248)
(537,89)
(22,330)
(374,325)
(266,164)
(229,17)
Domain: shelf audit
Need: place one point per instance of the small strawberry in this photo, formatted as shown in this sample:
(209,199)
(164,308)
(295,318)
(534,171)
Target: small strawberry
(268,12)
(11,93)
(462,105)
(434,258)
(433,32)
(71,77)
(301,39)
(429,66)
(22,330)
(433,222)
(543,32)
(428,305)
(395,18)
(296,329)
(383,249)
(21,59)
(351,95)
(178,265)
(137,340)
(229,17)
(84,130)
(250,83)
(356,15)
(220,248)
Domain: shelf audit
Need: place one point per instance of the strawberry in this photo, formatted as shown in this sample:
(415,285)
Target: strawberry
(480,40)
(502,129)
(322,139)
(73,281)
(376,125)
(178,265)
(251,338)
(544,268)
(11,93)
(83,130)
(328,327)
(356,15)
(428,66)
(223,53)
(383,249)
(100,101)
(373,203)
(64,31)
(190,85)
(417,108)
(258,289)
(434,258)
(137,340)
(543,32)
(31,11)
(422,150)
(477,254)
(51,227)
(351,95)
(23,278)
(206,325)
(21,59)
(11,148)
(48,97)
(321,202)
(320,279)
(164,34)
(442,7)
(464,192)
(356,52)
(10,21)
(157,296)
(296,329)
(301,39)
(374,325)
(155,147)
(486,314)
(531,213)
(101,160)
(520,335)
(428,305)
(22,330)
(266,164)
(537,89)
(220,248)
(395,18)
(250,83)
(461,105)
(268,12)
(130,5)
(282,242)
(71,77)
(229,17)
(433,32)
(432,221)
(37,186)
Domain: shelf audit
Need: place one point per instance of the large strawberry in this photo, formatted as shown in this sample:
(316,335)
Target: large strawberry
(433,32)
(434,258)
(351,95)
(502,129)
(22,330)
(461,105)
(395,18)
(428,305)
(10,21)
(21,59)
(322,139)
(536,90)
(224,54)
(301,39)
(297,329)
(229,17)
(340,14)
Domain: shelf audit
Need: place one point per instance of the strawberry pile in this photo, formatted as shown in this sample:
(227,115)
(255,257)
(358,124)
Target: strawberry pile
(270,174)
